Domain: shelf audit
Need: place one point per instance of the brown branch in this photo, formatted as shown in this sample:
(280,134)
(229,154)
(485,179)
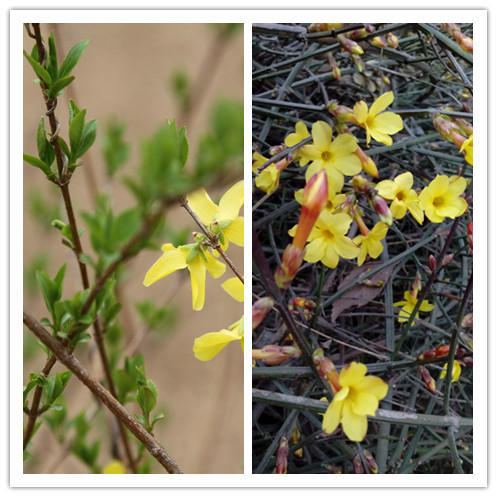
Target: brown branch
(213,242)
(72,363)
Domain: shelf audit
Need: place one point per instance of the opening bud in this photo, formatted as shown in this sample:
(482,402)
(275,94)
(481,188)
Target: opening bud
(259,310)
(381,208)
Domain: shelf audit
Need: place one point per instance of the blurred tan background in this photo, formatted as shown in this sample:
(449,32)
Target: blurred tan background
(126,72)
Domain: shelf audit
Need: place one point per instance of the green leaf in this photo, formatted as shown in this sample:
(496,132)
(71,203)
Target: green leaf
(34,161)
(56,88)
(73,110)
(45,149)
(52,57)
(48,289)
(125,225)
(58,280)
(40,71)
(75,132)
(88,137)
(64,147)
(72,58)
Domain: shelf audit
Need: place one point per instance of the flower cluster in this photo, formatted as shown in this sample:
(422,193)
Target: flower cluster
(221,225)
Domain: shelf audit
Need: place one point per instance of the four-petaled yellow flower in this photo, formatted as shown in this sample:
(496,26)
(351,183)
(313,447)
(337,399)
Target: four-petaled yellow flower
(328,240)
(408,306)
(357,398)
(301,132)
(336,157)
(371,243)
(404,197)
(207,346)
(379,125)
(467,148)
(193,257)
(229,225)
(441,198)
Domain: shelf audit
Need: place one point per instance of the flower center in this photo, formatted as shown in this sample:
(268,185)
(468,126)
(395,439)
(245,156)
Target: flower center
(326,156)
(438,201)
(401,196)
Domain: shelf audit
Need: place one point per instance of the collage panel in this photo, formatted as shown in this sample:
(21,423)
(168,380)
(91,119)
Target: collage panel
(133,248)
(362,280)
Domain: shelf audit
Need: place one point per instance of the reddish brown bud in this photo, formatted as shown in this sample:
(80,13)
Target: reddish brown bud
(282,457)
(290,263)
(259,310)
(326,369)
(427,379)
(432,262)
(470,235)
(272,355)
(357,464)
(350,45)
(381,208)
(358,62)
(370,461)
(360,184)
(447,259)
(392,40)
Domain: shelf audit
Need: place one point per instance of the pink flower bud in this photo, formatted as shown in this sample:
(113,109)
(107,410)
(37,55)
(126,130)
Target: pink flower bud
(432,262)
(357,464)
(381,208)
(350,45)
(259,310)
(290,263)
(282,457)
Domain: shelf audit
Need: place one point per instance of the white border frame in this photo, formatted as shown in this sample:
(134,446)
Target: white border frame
(479,477)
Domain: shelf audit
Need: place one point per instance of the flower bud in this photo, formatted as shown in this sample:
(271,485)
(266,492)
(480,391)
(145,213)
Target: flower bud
(272,355)
(340,112)
(335,70)
(379,41)
(290,263)
(370,460)
(432,262)
(276,149)
(358,34)
(381,208)
(368,164)
(349,45)
(282,457)
(335,470)
(326,369)
(358,62)
(470,235)
(307,306)
(447,259)
(467,321)
(295,441)
(428,379)
(392,40)
(357,464)
(360,184)
(259,310)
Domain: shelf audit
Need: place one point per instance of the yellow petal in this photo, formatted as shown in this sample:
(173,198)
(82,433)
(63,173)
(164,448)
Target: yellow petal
(331,418)
(330,257)
(197,279)
(457,185)
(230,202)
(172,260)
(388,123)
(114,468)
(348,164)
(202,205)
(321,135)
(338,223)
(301,133)
(268,179)
(380,137)
(216,268)
(343,144)
(455,208)
(207,346)
(314,251)
(373,385)
(346,248)
(234,288)
(404,181)
(234,232)
(352,374)
(416,211)
(381,103)
(355,426)
(398,209)
(387,189)
(364,403)
(456,371)
(361,112)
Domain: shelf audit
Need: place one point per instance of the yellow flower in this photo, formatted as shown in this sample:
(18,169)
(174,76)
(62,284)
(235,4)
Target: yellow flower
(193,257)
(456,371)
(234,288)
(371,243)
(301,132)
(114,467)
(229,223)
(259,160)
(327,240)
(467,148)
(404,197)
(335,157)
(408,306)
(207,346)
(378,124)
(358,398)
(268,179)
(441,198)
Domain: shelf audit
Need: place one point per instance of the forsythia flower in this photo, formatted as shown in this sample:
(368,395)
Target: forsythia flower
(301,132)
(328,240)
(467,148)
(456,371)
(192,257)
(408,306)
(404,197)
(114,467)
(441,198)
(234,288)
(358,398)
(207,346)
(378,124)
(230,224)
(335,157)
(371,243)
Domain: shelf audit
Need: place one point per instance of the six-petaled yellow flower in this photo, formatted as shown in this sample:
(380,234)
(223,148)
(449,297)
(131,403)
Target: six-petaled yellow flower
(370,244)
(404,197)
(228,223)
(336,156)
(193,257)
(378,124)
(357,399)
(441,198)
(408,306)
(328,241)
